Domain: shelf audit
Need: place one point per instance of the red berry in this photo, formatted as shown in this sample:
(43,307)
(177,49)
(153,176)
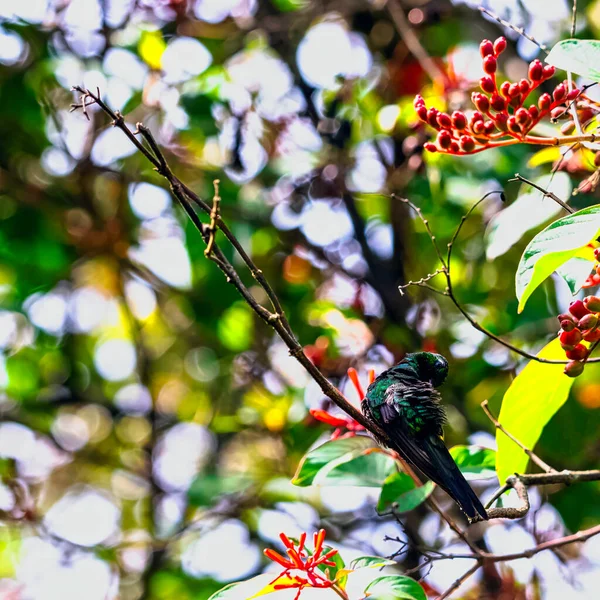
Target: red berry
(418,101)
(573,368)
(578,353)
(499,46)
(549,71)
(591,303)
(429,147)
(480,101)
(534,113)
(487,84)
(566,316)
(557,112)
(544,102)
(504,89)
(478,127)
(570,338)
(578,309)
(467,143)
(592,336)
(536,70)
(522,115)
(567,325)
(573,94)
(490,64)
(489,127)
(588,322)
(454,147)
(513,89)
(559,93)
(501,119)
(459,120)
(444,121)
(486,48)
(432,114)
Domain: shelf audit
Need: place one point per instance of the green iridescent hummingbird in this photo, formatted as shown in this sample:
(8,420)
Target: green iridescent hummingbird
(405,403)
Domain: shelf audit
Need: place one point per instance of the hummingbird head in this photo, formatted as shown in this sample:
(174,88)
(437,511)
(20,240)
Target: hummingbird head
(432,367)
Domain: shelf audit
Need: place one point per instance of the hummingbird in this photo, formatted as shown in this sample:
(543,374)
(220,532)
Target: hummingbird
(405,403)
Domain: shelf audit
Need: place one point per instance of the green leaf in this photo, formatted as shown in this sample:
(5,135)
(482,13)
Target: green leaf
(575,271)
(367,470)
(530,210)
(370,562)
(530,402)
(394,587)
(206,489)
(553,247)
(577,56)
(337,452)
(243,589)
(401,489)
(474,462)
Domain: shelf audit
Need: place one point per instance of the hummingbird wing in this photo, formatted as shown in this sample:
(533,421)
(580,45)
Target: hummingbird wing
(418,441)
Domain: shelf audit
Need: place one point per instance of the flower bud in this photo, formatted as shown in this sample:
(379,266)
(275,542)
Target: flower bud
(578,309)
(513,125)
(557,112)
(501,119)
(486,48)
(480,101)
(422,112)
(534,113)
(444,139)
(478,127)
(418,101)
(591,303)
(524,86)
(573,368)
(499,45)
(487,84)
(459,121)
(578,353)
(522,115)
(515,101)
(568,128)
(513,90)
(489,127)
(504,88)
(429,147)
(454,147)
(536,71)
(467,143)
(549,71)
(444,121)
(573,94)
(559,93)
(498,102)
(490,65)
(544,102)
(432,114)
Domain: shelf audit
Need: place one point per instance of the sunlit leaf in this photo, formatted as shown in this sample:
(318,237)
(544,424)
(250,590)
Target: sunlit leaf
(243,589)
(532,399)
(336,452)
(399,488)
(531,209)
(544,156)
(370,469)
(395,587)
(553,247)
(475,462)
(575,271)
(577,56)
(370,562)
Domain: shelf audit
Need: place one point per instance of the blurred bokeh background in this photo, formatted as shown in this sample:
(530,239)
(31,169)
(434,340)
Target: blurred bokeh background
(150,423)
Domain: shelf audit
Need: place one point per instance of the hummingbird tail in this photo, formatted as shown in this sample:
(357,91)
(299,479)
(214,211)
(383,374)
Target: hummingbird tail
(450,479)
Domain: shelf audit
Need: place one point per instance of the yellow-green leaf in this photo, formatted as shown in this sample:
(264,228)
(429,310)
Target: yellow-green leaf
(532,399)
(151,47)
(543,156)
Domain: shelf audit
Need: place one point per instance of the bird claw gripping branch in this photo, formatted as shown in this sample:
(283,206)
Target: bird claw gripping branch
(501,117)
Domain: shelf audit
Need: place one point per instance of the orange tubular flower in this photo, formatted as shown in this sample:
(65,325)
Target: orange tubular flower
(300,561)
(344,422)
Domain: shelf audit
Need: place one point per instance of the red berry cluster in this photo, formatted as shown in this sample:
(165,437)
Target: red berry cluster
(501,118)
(594,278)
(581,323)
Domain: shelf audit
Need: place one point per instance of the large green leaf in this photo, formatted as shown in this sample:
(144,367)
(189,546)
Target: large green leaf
(395,587)
(475,462)
(371,562)
(401,489)
(530,210)
(577,56)
(370,469)
(332,454)
(530,402)
(575,271)
(243,589)
(553,247)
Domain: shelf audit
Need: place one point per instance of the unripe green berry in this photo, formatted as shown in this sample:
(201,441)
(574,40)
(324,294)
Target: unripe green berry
(573,368)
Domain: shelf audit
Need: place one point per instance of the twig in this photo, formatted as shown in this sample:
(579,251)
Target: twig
(214,214)
(546,193)
(459,581)
(412,42)
(518,30)
(532,455)
(574,18)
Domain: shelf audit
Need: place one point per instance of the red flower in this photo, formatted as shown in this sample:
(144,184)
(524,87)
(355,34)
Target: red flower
(344,422)
(300,561)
